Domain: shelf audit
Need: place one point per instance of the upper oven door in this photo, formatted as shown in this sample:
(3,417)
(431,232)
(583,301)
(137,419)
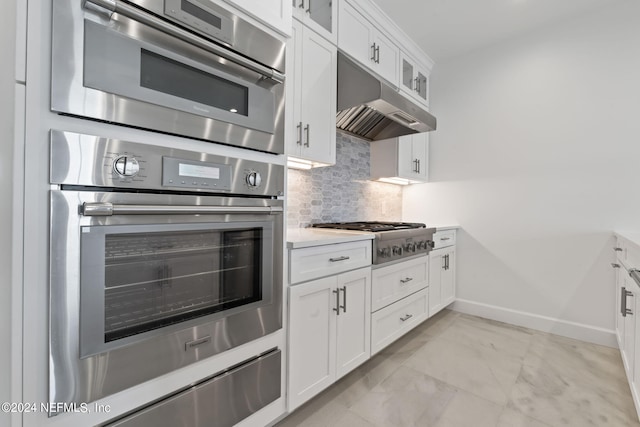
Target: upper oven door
(160,77)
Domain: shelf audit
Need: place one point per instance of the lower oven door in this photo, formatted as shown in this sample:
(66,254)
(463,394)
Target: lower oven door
(156,285)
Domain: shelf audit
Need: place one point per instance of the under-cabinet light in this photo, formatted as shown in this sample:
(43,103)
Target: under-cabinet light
(295,163)
(395,180)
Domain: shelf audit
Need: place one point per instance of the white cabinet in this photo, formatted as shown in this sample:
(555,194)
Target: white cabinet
(627,289)
(329,331)
(360,39)
(327,260)
(312,97)
(414,79)
(403,160)
(395,320)
(274,13)
(397,281)
(319,15)
(442,271)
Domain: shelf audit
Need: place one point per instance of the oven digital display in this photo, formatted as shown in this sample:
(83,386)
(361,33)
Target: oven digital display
(197,171)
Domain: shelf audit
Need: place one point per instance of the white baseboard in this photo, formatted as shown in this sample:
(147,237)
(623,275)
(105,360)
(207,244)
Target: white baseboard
(564,328)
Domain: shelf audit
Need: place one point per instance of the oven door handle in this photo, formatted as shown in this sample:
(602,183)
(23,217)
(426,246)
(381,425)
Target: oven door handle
(109,209)
(116,6)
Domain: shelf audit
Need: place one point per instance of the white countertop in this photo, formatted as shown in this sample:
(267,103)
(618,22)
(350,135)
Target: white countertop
(307,237)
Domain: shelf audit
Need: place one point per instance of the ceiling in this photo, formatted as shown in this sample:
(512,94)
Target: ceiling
(448,28)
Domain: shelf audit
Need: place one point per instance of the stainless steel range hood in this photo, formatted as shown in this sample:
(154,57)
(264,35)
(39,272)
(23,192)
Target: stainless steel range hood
(373,110)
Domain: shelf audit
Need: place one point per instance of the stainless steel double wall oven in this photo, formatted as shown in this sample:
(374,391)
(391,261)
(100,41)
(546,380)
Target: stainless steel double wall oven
(161,257)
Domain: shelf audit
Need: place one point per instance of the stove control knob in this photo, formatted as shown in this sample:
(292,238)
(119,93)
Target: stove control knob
(410,247)
(383,252)
(422,244)
(126,166)
(397,250)
(254,179)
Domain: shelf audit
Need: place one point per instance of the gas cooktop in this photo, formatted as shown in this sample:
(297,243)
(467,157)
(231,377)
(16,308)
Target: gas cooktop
(393,241)
(372,226)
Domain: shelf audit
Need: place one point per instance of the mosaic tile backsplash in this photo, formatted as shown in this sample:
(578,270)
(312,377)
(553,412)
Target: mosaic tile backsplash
(341,192)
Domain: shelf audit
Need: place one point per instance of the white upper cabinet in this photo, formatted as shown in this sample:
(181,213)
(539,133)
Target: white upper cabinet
(274,13)
(402,160)
(414,80)
(359,38)
(312,97)
(319,15)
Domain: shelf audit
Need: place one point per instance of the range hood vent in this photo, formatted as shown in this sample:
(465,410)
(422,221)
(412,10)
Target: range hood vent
(373,110)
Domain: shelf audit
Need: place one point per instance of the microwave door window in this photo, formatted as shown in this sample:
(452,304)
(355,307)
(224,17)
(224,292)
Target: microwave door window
(175,78)
(154,280)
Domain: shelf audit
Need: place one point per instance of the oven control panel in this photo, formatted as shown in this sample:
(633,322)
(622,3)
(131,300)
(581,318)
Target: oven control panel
(93,161)
(194,174)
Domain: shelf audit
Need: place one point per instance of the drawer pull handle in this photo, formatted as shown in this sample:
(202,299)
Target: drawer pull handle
(445,238)
(617,249)
(342,258)
(407,280)
(615,265)
(406,317)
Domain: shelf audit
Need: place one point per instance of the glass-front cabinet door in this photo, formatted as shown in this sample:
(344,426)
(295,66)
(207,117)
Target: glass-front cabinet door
(415,80)
(407,74)
(319,15)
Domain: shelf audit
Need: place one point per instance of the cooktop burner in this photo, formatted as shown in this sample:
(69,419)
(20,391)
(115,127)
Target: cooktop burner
(373,226)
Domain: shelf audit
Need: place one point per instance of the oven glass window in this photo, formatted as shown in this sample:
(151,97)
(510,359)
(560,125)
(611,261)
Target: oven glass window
(175,78)
(157,279)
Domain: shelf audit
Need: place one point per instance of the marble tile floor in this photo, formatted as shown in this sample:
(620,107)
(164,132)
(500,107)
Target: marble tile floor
(457,370)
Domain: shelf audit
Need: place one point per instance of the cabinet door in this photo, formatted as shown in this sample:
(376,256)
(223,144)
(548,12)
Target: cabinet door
(619,299)
(635,357)
(318,97)
(293,140)
(319,15)
(353,332)
(406,161)
(420,154)
(355,34)
(436,268)
(312,326)
(422,87)
(629,327)
(387,58)
(448,278)
(406,75)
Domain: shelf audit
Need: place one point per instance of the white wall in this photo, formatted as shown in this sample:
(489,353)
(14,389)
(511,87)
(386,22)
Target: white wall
(537,157)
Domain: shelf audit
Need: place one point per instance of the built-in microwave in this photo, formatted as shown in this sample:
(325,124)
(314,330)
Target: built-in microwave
(182,67)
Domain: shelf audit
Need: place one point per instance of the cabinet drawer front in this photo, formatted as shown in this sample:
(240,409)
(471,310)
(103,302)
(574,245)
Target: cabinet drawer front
(393,321)
(390,284)
(326,260)
(445,238)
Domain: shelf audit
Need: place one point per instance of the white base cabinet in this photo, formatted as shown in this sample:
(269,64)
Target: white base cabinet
(442,271)
(627,289)
(395,320)
(329,331)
